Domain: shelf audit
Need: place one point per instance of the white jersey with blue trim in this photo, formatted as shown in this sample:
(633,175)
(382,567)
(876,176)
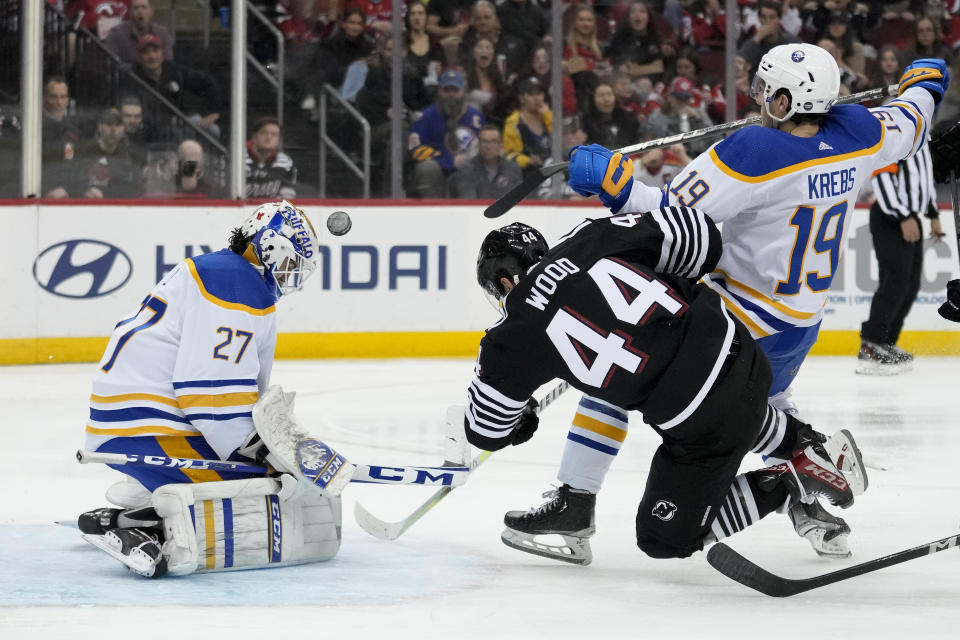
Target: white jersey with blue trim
(785,204)
(191,361)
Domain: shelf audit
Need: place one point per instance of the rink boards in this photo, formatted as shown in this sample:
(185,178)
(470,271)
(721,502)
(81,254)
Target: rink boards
(401,284)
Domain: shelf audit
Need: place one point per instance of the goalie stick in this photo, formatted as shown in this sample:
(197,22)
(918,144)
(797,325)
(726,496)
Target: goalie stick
(511,198)
(736,567)
(366,473)
(392,530)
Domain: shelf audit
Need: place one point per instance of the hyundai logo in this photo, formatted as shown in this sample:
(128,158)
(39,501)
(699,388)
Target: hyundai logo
(82,269)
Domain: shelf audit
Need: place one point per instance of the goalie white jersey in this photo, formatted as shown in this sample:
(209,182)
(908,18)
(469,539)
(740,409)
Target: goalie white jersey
(192,361)
(785,204)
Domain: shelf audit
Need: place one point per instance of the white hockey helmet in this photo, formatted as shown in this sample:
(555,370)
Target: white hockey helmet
(284,242)
(809,73)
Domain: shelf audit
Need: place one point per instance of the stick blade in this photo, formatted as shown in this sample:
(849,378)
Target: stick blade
(739,569)
(510,199)
(374,525)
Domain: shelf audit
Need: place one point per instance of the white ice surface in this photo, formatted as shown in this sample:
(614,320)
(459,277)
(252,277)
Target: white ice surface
(449,575)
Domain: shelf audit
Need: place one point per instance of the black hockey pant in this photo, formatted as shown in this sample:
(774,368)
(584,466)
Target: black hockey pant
(693,469)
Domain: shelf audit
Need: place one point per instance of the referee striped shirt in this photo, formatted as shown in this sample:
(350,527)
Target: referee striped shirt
(907,188)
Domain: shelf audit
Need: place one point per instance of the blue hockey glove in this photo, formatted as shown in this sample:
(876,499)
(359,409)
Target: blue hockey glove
(594,169)
(930,73)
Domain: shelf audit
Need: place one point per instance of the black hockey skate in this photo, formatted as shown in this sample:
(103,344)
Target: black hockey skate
(811,473)
(882,360)
(826,533)
(569,513)
(140,550)
(98,521)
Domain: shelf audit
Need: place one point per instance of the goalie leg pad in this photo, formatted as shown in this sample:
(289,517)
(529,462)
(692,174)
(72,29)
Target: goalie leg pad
(245,524)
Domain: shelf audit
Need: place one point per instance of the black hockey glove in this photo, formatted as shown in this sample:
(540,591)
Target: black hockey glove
(951,308)
(529,421)
(945,151)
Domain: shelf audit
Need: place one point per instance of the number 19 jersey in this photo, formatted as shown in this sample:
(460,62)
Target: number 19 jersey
(785,203)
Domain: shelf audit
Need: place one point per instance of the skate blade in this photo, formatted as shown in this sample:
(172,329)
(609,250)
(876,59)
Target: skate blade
(576,551)
(138,562)
(835,549)
(876,369)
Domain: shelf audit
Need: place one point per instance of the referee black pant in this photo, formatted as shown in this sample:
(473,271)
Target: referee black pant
(901,264)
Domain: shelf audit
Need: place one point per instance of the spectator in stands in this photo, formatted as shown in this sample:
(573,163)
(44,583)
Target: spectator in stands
(525,20)
(717,107)
(447,23)
(769,34)
(60,139)
(886,70)
(527,131)
(421,52)
(191,180)
(851,50)
(270,171)
(573,136)
(378,13)
(99,16)
(511,54)
(105,167)
(135,131)
(606,123)
(123,38)
(582,57)
(677,114)
(657,167)
(627,97)
(192,92)
(486,88)
(444,138)
(538,67)
(374,101)
(927,41)
(638,47)
(949,110)
(341,61)
(487,175)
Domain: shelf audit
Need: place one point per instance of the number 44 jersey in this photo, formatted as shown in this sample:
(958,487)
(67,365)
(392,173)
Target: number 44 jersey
(785,203)
(191,361)
(615,310)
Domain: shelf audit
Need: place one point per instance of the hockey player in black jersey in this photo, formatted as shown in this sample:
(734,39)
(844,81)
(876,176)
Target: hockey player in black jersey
(616,311)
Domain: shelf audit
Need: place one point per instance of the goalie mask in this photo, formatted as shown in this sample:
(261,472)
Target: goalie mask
(809,73)
(508,252)
(284,244)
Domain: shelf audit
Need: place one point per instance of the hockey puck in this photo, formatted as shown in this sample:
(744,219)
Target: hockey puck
(339,223)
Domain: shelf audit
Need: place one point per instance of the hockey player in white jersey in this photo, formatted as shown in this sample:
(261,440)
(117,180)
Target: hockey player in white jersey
(783,191)
(180,378)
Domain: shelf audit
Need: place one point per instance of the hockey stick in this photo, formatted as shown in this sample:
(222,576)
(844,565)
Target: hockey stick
(392,530)
(366,473)
(955,200)
(736,567)
(511,198)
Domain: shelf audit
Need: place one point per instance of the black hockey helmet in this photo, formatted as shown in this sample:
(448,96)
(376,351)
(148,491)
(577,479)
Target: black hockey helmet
(508,252)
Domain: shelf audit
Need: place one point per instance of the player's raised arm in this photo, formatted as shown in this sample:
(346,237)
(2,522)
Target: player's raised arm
(906,120)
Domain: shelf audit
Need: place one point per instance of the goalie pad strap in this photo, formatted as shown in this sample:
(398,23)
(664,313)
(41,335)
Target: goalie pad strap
(245,524)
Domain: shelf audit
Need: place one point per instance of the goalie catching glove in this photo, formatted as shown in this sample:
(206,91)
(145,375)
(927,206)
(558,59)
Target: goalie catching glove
(930,73)
(594,169)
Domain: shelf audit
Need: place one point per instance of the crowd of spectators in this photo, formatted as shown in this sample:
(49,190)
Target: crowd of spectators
(477,77)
